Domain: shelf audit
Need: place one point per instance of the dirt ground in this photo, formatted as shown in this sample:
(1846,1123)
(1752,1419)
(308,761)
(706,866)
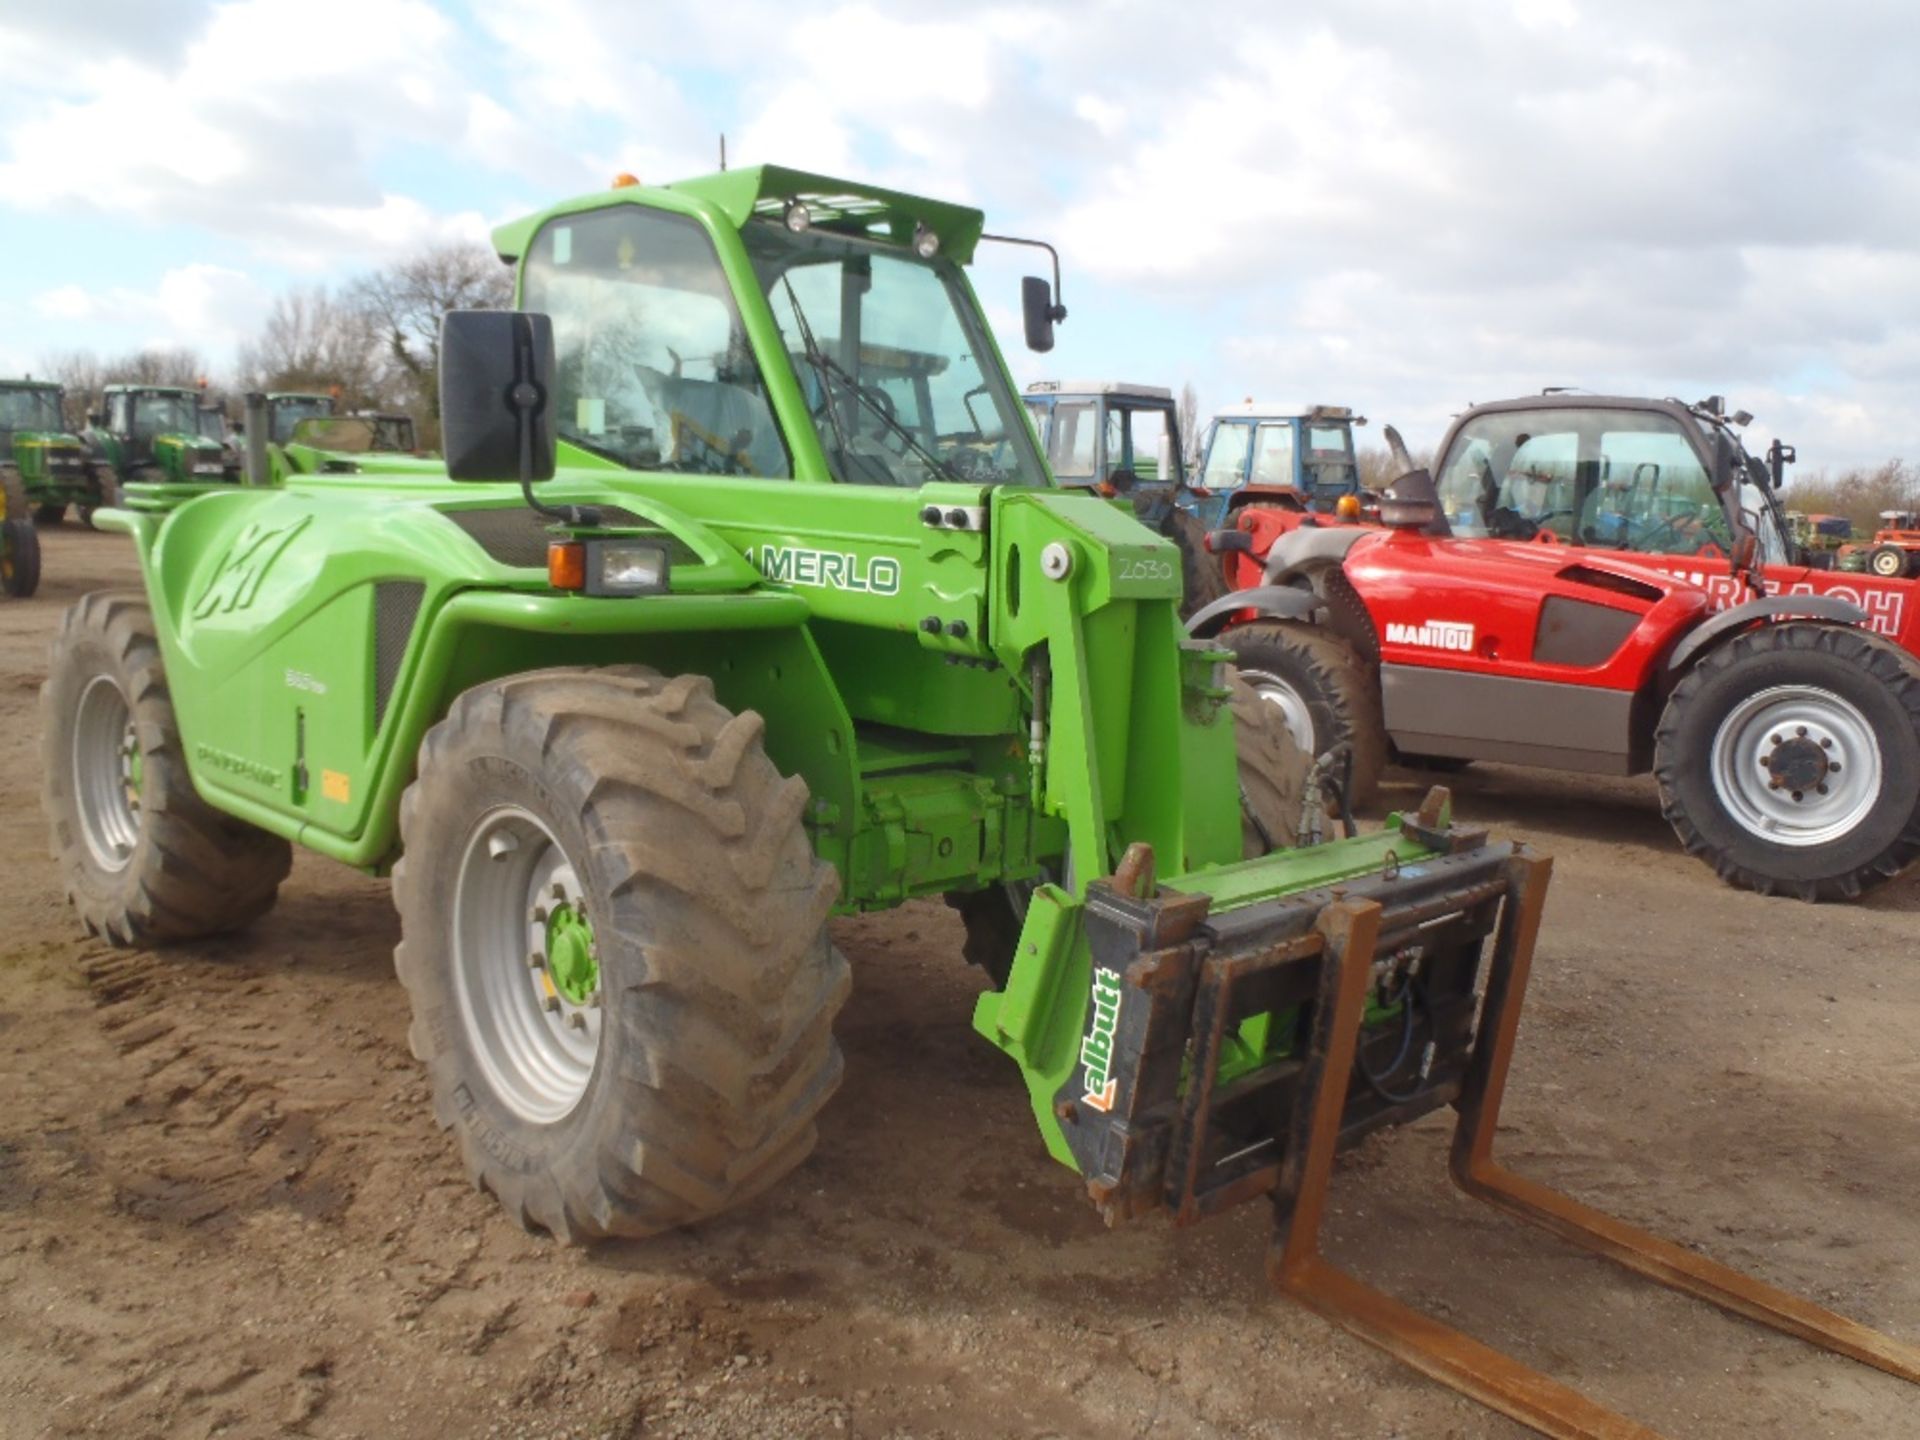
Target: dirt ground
(225,1209)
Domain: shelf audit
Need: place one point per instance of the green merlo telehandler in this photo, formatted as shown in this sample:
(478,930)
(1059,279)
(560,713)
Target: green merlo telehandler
(743,598)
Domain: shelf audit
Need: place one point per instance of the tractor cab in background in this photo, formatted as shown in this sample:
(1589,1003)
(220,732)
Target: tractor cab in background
(1288,456)
(153,433)
(1123,439)
(393,432)
(1108,432)
(48,464)
(286,409)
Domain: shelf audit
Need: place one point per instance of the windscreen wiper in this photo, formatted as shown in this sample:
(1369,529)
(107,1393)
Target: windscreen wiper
(831,366)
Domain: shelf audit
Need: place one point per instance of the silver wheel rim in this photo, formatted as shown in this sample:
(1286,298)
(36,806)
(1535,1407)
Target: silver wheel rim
(535,1046)
(105,783)
(1885,565)
(1291,705)
(1796,765)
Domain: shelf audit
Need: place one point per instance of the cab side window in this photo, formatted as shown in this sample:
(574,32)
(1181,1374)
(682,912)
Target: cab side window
(1227,456)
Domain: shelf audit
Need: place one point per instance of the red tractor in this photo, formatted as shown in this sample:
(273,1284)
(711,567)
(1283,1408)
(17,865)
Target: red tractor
(1895,547)
(1601,585)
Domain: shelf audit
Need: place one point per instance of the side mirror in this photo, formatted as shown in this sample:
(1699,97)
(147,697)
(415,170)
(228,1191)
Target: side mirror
(496,383)
(1229,542)
(1040,313)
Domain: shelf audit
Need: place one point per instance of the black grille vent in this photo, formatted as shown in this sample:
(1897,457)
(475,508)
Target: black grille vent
(519,537)
(396,605)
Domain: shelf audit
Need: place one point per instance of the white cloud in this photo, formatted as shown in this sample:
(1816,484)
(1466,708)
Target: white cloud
(208,308)
(1404,205)
(265,118)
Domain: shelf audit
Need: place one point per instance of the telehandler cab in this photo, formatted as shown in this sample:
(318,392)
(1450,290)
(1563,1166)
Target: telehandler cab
(744,645)
(1602,584)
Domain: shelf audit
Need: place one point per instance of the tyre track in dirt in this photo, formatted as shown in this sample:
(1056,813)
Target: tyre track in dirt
(225,1208)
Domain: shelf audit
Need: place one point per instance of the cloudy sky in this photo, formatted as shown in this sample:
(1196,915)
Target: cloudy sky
(1401,206)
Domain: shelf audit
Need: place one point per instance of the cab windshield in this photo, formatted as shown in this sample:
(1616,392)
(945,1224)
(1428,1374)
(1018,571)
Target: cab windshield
(213,423)
(160,414)
(289,410)
(30,409)
(1615,479)
(893,360)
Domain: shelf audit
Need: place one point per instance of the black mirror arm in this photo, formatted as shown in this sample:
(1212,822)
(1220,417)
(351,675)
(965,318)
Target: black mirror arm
(1059,311)
(527,402)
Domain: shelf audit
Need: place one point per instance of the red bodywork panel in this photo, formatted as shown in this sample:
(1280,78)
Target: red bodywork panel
(1475,606)
(1892,606)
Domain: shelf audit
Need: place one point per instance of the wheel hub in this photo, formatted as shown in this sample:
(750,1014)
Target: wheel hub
(570,959)
(1797,765)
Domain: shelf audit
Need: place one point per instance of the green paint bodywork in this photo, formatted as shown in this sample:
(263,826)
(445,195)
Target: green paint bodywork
(909,713)
(179,457)
(52,464)
(570,962)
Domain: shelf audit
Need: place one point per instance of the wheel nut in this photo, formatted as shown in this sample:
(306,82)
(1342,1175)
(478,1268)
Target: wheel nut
(539,914)
(577,1019)
(1801,731)
(537,960)
(1821,787)
(1797,797)
(552,1004)
(1825,743)
(559,891)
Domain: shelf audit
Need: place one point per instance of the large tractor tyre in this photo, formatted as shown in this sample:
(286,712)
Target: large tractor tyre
(51,513)
(613,934)
(1203,578)
(1889,562)
(1327,695)
(1274,767)
(19,558)
(1273,773)
(1788,757)
(144,859)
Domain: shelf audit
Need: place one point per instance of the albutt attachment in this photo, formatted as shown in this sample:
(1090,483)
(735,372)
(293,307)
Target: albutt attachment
(1353,932)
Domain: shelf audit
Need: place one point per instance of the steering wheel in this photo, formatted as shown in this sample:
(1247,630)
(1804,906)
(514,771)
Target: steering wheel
(1703,542)
(971,465)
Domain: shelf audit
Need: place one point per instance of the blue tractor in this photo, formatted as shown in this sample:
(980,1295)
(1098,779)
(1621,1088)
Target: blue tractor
(1297,457)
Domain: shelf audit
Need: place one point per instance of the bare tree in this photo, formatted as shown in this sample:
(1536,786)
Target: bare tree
(79,375)
(406,300)
(83,375)
(1187,412)
(312,341)
(1858,494)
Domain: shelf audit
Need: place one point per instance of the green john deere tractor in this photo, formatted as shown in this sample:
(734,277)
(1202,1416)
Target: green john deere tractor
(155,434)
(714,623)
(49,464)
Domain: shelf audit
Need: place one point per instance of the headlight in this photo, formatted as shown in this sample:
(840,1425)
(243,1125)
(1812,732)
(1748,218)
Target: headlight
(626,567)
(608,567)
